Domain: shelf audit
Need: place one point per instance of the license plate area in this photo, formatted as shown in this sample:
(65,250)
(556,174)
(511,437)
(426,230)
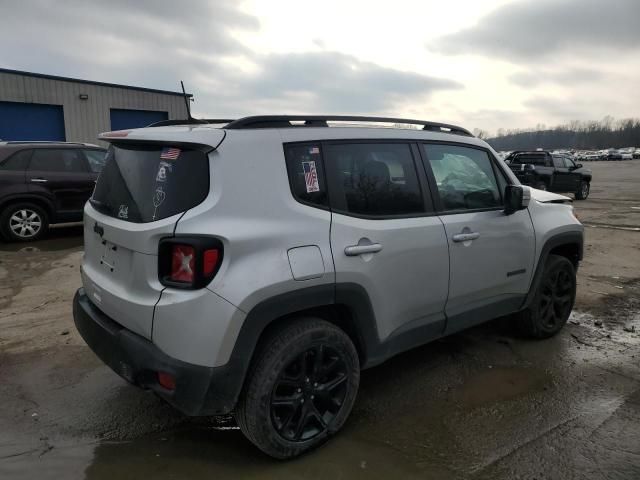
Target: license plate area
(109,259)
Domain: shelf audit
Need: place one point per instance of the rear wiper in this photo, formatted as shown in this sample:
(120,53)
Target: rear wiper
(100,205)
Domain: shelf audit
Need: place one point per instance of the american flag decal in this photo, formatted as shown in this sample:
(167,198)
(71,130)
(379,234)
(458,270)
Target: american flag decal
(311,176)
(170,153)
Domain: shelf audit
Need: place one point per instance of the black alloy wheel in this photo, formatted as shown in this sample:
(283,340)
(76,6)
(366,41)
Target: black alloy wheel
(309,393)
(556,298)
(552,301)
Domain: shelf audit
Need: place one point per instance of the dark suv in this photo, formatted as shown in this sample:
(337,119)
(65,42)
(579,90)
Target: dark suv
(43,183)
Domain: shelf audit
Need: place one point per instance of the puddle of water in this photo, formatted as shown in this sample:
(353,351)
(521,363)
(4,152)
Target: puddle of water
(211,453)
(57,239)
(501,383)
(612,227)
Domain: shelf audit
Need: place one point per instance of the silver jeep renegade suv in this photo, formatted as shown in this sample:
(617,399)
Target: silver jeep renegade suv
(257,266)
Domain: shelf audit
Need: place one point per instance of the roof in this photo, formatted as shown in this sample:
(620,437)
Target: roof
(90,82)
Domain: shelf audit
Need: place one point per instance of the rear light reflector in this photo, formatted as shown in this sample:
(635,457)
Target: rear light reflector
(183,261)
(166,380)
(210,261)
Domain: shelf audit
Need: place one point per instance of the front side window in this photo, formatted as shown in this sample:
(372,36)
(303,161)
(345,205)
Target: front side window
(558,162)
(465,177)
(376,179)
(57,160)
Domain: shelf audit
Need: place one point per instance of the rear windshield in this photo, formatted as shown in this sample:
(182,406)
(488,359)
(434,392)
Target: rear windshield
(142,184)
(531,158)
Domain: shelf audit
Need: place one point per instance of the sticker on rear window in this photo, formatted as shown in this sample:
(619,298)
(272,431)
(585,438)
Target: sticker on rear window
(314,151)
(158,198)
(163,169)
(170,153)
(311,176)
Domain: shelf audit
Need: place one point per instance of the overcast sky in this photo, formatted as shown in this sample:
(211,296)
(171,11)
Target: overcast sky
(481,63)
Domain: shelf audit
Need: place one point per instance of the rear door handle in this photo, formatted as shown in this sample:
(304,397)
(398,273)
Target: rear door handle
(465,237)
(39,180)
(355,250)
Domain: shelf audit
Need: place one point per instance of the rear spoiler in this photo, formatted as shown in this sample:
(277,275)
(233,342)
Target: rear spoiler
(121,137)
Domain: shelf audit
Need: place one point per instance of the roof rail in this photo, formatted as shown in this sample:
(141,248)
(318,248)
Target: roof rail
(44,142)
(192,121)
(284,121)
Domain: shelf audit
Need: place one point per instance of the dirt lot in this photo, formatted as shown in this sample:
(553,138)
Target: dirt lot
(482,404)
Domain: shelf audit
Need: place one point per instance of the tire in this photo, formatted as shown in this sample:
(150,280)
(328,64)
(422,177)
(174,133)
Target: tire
(23,222)
(287,374)
(541,186)
(583,191)
(553,300)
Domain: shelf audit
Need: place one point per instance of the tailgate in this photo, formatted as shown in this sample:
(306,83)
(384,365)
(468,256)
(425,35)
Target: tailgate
(120,268)
(143,190)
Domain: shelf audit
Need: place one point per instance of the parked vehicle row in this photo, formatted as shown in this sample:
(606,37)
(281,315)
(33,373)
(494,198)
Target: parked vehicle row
(43,183)
(608,154)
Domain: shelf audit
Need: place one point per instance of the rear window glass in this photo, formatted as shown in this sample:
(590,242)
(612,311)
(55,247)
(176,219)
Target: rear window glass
(529,158)
(144,184)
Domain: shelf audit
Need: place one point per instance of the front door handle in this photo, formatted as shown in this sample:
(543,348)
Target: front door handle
(39,180)
(465,237)
(355,250)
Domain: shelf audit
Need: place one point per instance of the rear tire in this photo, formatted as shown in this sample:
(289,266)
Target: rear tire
(583,191)
(300,390)
(23,222)
(553,300)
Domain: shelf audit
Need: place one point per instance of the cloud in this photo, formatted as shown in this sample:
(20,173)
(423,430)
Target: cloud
(153,43)
(330,82)
(156,43)
(535,29)
(559,75)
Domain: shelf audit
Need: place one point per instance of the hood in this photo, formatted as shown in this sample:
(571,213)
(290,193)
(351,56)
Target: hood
(548,197)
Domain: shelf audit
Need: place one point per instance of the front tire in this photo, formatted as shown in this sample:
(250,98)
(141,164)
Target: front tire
(301,389)
(23,222)
(583,191)
(553,300)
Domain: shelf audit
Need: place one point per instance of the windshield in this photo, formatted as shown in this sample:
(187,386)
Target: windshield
(143,184)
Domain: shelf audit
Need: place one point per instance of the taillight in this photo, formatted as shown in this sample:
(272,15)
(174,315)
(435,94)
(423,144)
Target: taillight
(189,262)
(182,263)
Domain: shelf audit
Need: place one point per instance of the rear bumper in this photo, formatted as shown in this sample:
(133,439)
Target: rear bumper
(199,390)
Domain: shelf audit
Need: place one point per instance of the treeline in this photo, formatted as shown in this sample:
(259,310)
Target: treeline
(590,135)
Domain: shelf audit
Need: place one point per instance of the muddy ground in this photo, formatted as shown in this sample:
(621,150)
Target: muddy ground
(483,404)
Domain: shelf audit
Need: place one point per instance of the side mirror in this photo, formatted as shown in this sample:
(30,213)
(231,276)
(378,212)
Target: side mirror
(516,197)
(578,165)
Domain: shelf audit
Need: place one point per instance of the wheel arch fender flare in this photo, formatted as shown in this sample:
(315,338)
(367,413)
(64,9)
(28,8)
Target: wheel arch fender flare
(573,238)
(43,201)
(266,313)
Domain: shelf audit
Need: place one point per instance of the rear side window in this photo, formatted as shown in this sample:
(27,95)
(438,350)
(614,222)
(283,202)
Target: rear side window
(57,160)
(96,159)
(306,174)
(18,161)
(465,177)
(376,179)
(143,184)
